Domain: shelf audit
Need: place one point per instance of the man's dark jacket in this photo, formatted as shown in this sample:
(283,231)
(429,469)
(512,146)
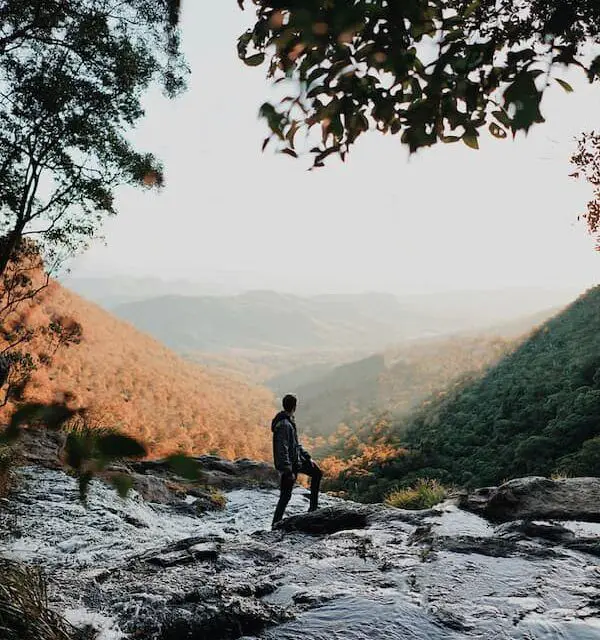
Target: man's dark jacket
(289,455)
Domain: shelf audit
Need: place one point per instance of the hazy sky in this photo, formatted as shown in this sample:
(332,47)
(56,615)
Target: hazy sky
(447,218)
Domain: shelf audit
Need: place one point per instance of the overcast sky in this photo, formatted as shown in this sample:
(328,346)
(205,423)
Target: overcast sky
(447,218)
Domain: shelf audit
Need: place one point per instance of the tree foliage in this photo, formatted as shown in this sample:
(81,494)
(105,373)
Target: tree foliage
(72,77)
(26,342)
(587,166)
(427,70)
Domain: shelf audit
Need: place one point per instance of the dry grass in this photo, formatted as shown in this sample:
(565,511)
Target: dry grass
(218,499)
(425,494)
(24,612)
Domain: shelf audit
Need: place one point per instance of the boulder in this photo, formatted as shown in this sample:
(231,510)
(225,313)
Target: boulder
(348,515)
(205,617)
(154,489)
(329,520)
(536,498)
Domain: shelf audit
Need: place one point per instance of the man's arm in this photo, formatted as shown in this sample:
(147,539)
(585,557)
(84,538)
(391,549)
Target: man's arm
(283,461)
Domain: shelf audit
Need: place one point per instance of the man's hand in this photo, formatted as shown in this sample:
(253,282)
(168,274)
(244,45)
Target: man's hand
(289,475)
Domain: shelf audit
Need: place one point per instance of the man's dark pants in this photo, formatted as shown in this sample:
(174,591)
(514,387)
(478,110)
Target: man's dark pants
(287,485)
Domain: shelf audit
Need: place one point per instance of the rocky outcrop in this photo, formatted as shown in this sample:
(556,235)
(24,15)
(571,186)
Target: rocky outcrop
(139,570)
(41,447)
(347,515)
(219,473)
(330,520)
(154,479)
(207,614)
(536,498)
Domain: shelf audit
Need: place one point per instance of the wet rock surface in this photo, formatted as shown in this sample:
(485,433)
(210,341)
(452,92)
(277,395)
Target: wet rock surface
(538,499)
(136,569)
(154,480)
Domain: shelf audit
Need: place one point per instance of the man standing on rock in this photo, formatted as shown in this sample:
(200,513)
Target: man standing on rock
(291,458)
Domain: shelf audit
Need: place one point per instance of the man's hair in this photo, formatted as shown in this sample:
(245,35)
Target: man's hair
(289,402)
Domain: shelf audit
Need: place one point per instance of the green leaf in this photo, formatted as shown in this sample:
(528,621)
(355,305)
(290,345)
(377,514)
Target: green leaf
(471,8)
(122,482)
(496,131)
(84,484)
(453,35)
(525,97)
(255,60)
(594,70)
(565,85)
(184,466)
(470,139)
(116,445)
(77,450)
(503,118)
(450,139)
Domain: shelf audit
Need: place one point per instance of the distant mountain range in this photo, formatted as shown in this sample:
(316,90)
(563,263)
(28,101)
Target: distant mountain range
(267,320)
(270,321)
(112,290)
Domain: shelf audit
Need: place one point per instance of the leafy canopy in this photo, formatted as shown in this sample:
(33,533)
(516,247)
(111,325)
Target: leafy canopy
(72,78)
(427,70)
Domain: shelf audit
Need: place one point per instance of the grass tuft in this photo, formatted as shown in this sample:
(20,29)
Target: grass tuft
(425,494)
(24,612)
(219,499)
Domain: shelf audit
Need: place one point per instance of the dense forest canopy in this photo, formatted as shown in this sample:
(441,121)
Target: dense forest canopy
(130,381)
(395,381)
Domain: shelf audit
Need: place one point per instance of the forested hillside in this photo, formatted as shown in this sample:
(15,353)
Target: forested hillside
(138,385)
(536,412)
(394,381)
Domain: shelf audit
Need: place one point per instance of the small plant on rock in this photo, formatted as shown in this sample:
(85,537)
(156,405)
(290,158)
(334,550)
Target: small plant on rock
(425,494)
(24,611)
(218,499)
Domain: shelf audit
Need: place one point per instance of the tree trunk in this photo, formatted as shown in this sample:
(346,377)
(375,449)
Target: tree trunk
(8,244)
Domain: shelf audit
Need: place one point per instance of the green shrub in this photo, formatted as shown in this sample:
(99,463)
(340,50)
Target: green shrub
(425,494)
(219,499)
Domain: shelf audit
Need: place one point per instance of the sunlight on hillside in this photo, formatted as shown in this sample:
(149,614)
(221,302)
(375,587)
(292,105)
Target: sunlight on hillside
(132,382)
